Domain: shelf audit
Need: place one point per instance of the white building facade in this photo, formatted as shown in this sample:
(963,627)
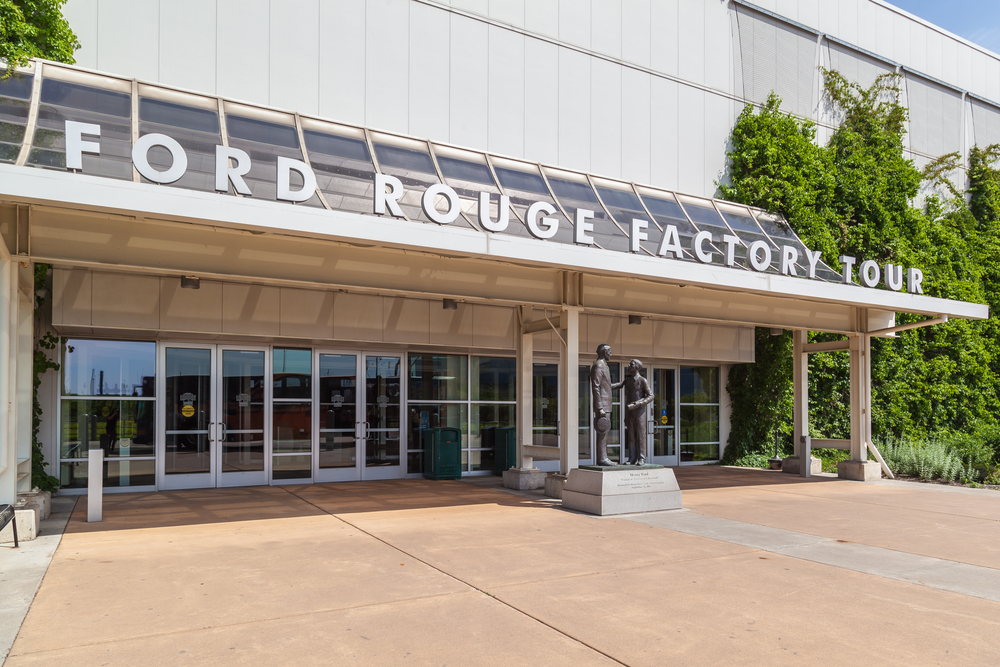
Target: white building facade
(271,266)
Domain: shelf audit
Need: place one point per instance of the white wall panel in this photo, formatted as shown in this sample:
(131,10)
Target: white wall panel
(242,53)
(429,88)
(885,34)
(493,326)
(935,56)
(72,296)
(808,12)
(82,18)
(450,327)
(606,27)
(542,16)
(668,340)
(918,46)
(128,36)
(663,52)
(719,120)
(187,44)
(977,72)
(358,317)
(847,20)
(829,18)
(341,47)
(603,329)
(387,30)
(506,92)
(963,63)
(574,22)
(867,30)
(541,101)
(663,132)
(901,38)
(636,31)
(481,7)
(949,60)
(993,79)
(574,109)
(294,55)
(718,46)
(697,341)
(126,304)
(637,341)
(508,11)
(606,118)
(636,131)
(691,41)
(691,140)
(469,87)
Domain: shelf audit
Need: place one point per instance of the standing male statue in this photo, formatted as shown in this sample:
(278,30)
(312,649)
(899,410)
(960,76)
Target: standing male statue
(601,388)
(638,395)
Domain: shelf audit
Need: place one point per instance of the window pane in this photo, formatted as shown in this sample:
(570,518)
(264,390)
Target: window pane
(120,428)
(699,423)
(188,410)
(428,416)
(291,467)
(117,473)
(545,405)
(438,377)
(108,368)
(292,427)
(338,387)
(494,379)
(700,385)
(292,373)
(585,415)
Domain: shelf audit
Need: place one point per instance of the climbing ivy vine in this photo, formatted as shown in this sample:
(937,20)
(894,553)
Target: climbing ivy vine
(855,196)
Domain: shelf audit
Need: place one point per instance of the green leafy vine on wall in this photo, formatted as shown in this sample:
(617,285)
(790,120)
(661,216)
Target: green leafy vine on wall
(854,196)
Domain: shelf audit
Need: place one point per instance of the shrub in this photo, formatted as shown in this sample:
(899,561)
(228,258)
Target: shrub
(931,458)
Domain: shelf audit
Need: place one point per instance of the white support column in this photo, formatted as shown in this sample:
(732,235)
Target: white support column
(800,389)
(8,445)
(859,467)
(525,372)
(569,391)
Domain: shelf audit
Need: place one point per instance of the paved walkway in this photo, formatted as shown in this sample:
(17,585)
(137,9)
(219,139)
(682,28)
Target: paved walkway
(760,569)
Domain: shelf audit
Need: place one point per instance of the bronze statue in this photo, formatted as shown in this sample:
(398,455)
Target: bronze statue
(638,395)
(601,388)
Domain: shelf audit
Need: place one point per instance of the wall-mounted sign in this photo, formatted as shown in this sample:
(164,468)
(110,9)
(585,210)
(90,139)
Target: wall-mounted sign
(232,164)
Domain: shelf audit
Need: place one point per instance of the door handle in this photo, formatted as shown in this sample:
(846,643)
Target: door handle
(210,425)
(224,432)
(367,430)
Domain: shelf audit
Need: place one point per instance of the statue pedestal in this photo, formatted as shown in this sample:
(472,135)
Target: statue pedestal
(621,489)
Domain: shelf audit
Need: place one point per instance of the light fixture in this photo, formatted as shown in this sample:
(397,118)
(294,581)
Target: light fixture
(777,332)
(635,319)
(449,304)
(190,282)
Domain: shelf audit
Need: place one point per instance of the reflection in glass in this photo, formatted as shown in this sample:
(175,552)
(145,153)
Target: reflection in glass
(494,379)
(699,413)
(545,405)
(624,206)
(486,419)
(382,395)
(338,410)
(663,411)
(415,169)
(524,189)
(468,179)
(15,96)
(187,405)
(344,170)
(120,428)
(108,368)
(438,377)
(292,467)
(428,416)
(117,473)
(573,195)
(700,385)
(292,373)
(265,142)
(667,212)
(243,410)
(195,129)
(292,425)
(585,415)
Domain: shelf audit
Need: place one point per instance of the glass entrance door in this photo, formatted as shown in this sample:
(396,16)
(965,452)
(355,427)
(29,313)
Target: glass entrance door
(189,428)
(340,429)
(662,432)
(242,399)
(380,408)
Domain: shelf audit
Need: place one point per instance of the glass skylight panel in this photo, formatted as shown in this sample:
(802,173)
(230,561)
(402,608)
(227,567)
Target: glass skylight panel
(196,129)
(409,161)
(265,136)
(574,195)
(747,229)
(342,164)
(15,102)
(468,174)
(81,100)
(624,206)
(524,185)
(704,215)
(666,212)
(781,232)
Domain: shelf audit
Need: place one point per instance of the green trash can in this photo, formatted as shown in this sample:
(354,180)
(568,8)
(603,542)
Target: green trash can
(505,452)
(443,453)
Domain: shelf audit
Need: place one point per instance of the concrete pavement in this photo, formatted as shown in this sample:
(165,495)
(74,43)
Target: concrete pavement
(762,568)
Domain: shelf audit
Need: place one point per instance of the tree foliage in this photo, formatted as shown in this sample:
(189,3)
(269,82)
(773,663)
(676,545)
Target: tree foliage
(34,29)
(855,196)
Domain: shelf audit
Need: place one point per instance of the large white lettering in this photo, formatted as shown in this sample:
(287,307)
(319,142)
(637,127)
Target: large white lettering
(430,210)
(140,158)
(286,166)
(226,172)
(76,146)
(545,228)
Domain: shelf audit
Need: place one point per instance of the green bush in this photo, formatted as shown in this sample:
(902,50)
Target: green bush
(930,458)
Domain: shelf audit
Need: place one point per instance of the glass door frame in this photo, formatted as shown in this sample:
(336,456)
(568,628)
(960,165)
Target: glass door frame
(669,461)
(343,474)
(201,480)
(254,478)
(383,472)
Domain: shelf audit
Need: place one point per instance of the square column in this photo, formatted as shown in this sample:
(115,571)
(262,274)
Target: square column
(800,411)
(569,390)
(525,373)
(859,467)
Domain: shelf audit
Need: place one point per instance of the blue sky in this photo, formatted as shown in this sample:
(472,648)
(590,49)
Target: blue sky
(976,20)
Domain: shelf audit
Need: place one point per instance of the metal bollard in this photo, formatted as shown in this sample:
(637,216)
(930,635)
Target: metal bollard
(95,484)
(807,452)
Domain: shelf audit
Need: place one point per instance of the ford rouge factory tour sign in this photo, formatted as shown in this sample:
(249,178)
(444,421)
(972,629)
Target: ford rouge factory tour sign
(231,164)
